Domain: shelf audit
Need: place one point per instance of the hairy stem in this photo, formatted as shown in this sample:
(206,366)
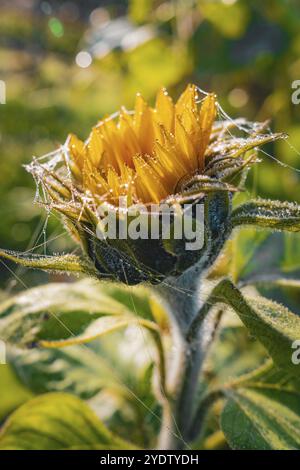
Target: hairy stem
(183,300)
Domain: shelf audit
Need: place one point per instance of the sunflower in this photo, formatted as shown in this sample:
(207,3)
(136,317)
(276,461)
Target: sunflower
(172,152)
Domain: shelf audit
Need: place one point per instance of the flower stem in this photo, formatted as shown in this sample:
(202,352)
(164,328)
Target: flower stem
(178,410)
(182,298)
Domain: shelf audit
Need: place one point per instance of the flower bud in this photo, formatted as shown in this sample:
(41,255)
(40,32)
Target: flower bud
(145,174)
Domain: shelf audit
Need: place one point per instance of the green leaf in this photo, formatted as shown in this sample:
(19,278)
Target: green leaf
(58,315)
(266,375)
(281,279)
(73,369)
(119,367)
(56,264)
(13,392)
(234,353)
(259,253)
(253,251)
(272,324)
(131,359)
(57,421)
(262,418)
(140,410)
(268,214)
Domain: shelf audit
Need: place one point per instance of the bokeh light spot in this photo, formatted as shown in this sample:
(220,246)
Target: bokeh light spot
(56,27)
(238,97)
(83,59)
(229,2)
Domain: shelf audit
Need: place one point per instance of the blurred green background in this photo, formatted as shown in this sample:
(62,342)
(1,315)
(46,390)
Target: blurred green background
(68,63)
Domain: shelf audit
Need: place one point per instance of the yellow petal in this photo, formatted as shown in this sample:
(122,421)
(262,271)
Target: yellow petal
(207,116)
(187,116)
(153,187)
(127,184)
(114,184)
(187,100)
(93,181)
(167,179)
(170,162)
(185,146)
(143,122)
(165,110)
(130,141)
(112,155)
(77,150)
(95,146)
